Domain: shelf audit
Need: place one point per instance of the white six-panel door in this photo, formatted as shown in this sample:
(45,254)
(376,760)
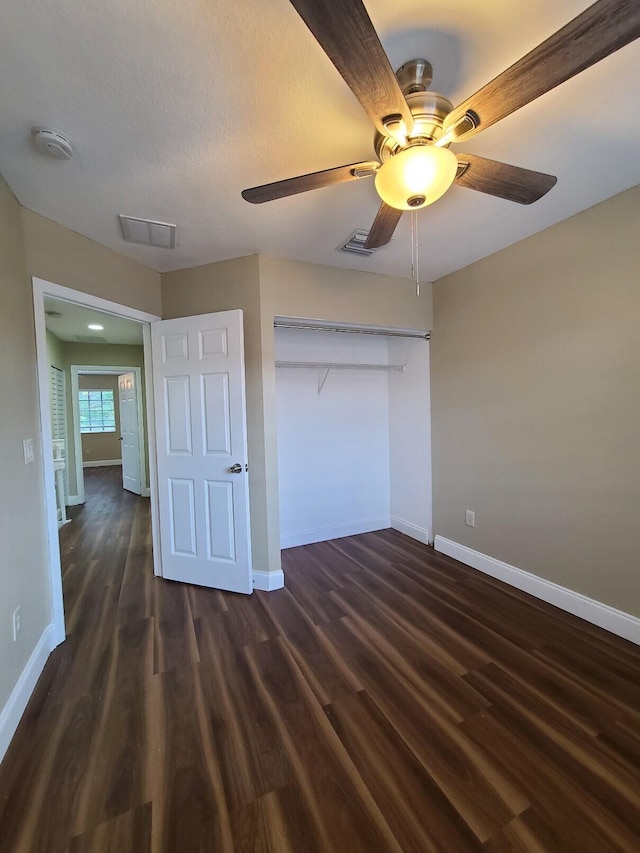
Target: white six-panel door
(129,433)
(198,377)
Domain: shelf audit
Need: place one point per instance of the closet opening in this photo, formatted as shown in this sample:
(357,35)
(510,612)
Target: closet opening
(354,433)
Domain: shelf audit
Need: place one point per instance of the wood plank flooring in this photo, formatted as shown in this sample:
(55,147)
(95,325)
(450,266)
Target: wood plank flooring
(388,699)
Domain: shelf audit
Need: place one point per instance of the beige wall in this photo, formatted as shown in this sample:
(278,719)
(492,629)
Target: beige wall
(101,446)
(263,288)
(56,254)
(55,351)
(32,245)
(536,403)
(298,289)
(24,578)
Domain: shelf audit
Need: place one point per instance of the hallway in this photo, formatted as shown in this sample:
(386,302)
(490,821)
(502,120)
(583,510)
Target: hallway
(388,699)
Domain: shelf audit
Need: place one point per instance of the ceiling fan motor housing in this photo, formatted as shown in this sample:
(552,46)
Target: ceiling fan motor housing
(414,76)
(429,110)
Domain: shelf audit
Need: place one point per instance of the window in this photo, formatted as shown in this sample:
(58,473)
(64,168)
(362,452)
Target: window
(97,411)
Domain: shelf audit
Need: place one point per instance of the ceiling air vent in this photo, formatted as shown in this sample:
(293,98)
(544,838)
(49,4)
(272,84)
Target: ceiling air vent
(160,234)
(355,244)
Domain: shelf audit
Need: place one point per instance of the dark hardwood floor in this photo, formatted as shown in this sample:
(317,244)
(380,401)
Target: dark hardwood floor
(388,699)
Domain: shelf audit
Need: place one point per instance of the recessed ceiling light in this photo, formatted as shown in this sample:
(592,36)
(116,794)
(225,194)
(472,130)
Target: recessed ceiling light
(95,327)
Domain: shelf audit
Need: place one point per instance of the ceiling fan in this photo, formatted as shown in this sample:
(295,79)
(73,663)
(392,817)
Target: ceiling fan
(414,127)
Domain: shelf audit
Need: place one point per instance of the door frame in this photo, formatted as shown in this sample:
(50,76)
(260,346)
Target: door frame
(102,370)
(41,288)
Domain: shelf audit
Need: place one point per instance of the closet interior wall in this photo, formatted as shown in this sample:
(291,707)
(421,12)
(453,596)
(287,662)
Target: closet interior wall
(410,439)
(353,445)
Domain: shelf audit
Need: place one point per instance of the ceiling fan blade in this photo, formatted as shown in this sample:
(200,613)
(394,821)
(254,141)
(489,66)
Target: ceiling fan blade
(384,225)
(598,32)
(312,181)
(345,32)
(510,182)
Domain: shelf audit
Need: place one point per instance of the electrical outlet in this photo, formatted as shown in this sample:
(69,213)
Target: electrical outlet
(470,517)
(16,622)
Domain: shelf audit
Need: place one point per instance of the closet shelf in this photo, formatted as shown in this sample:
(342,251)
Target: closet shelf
(337,365)
(328,366)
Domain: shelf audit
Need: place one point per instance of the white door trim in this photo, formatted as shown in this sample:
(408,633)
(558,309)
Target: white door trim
(102,370)
(42,288)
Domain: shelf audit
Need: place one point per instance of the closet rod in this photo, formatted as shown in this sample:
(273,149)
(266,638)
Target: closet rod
(336,365)
(388,334)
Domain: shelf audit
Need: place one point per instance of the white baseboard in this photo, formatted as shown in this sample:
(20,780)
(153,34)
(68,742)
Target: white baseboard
(412,530)
(146,492)
(617,621)
(74,500)
(322,534)
(268,581)
(101,463)
(16,703)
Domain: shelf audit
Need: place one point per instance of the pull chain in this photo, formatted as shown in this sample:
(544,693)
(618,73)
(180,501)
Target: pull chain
(415,251)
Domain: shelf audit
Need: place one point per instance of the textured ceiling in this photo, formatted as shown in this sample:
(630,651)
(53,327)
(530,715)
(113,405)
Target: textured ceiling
(175,106)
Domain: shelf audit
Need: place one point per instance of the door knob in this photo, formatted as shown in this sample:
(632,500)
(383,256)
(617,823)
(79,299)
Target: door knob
(236,469)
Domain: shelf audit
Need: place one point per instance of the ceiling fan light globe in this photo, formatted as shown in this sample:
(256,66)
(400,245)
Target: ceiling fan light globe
(416,176)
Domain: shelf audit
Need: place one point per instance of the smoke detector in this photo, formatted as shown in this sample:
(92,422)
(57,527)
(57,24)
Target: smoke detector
(51,142)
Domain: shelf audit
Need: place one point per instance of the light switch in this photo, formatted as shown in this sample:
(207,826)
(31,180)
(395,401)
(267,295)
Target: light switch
(27,447)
